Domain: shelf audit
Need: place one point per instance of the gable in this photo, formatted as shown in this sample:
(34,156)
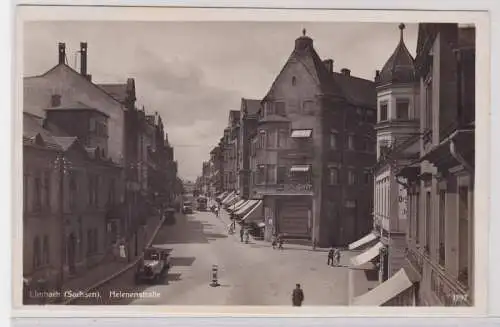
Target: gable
(63,80)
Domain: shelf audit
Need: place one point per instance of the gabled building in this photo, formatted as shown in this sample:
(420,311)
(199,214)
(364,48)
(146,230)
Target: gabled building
(312,151)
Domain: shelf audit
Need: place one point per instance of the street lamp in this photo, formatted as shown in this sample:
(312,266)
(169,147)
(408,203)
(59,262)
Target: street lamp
(62,165)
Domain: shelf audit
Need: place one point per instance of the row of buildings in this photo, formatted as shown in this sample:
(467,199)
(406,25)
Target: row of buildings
(305,151)
(384,166)
(94,168)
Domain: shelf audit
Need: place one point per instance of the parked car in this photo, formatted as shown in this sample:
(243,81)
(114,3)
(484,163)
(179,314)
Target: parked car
(153,266)
(187,207)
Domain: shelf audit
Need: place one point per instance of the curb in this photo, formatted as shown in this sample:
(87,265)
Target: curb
(122,271)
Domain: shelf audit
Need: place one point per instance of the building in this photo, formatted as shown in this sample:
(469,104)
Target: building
(217,170)
(248,125)
(437,266)
(313,149)
(68,187)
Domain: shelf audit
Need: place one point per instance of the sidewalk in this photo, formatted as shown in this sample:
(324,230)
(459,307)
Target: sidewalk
(106,269)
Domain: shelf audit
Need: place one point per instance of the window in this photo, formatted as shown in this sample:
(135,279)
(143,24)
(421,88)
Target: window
(37,256)
(72,191)
(402,107)
(351,177)
(428,104)
(350,204)
(367,177)
(271,138)
(282,138)
(428,220)
(269,109)
(334,176)
(261,174)
(281,175)
(91,189)
(308,107)
(333,140)
(280,108)
(294,80)
(97,184)
(383,112)
(463,230)
(271,174)
(38,193)
(46,250)
(46,191)
(262,139)
(350,142)
(442,226)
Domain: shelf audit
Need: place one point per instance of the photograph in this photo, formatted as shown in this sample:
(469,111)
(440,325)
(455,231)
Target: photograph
(248,163)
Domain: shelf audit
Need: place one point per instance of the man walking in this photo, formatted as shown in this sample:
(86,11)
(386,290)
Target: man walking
(331,254)
(242,232)
(297,296)
(337,257)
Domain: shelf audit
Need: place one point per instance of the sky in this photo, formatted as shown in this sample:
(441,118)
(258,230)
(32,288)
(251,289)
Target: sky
(194,73)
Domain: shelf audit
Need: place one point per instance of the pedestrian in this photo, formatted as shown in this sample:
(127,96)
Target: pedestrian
(274,242)
(242,232)
(217,212)
(337,257)
(247,236)
(331,254)
(297,296)
(280,242)
(315,244)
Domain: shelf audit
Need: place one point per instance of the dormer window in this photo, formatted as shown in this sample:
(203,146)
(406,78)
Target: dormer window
(383,111)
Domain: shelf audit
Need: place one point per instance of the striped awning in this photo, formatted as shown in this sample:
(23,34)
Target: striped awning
(362,241)
(254,214)
(245,208)
(301,133)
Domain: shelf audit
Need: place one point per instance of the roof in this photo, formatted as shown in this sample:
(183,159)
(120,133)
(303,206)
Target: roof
(32,127)
(117,91)
(400,67)
(358,91)
(304,53)
(250,106)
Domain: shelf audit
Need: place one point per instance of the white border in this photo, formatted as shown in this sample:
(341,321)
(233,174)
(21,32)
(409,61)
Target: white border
(230,14)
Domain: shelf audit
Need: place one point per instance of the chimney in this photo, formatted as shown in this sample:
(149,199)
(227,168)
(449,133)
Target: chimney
(328,65)
(55,100)
(62,53)
(345,72)
(83,58)
(377,74)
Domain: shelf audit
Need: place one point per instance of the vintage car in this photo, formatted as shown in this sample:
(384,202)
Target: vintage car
(202,203)
(153,266)
(187,207)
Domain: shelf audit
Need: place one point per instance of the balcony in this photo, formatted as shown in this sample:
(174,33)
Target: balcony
(285,189)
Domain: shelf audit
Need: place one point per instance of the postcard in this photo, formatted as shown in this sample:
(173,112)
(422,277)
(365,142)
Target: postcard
(251,160)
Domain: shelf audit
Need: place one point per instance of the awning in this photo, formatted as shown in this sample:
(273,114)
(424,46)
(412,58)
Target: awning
(232,201)
(242,211)
(221,196)
(368,255)
(362,241)
(300,168)
(228,198)
(235,206)
(301,133)
(255,213)
(386,291)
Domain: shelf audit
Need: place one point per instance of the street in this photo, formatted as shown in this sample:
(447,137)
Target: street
(249,274)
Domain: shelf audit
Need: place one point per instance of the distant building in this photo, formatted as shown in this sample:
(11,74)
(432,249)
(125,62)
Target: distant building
(248,126)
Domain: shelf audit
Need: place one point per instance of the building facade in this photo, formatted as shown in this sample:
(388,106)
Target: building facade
(437,266)
(248,125)
(312,151)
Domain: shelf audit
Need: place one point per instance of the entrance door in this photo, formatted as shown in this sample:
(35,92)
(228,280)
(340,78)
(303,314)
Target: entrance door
(71,253)
(294,218)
